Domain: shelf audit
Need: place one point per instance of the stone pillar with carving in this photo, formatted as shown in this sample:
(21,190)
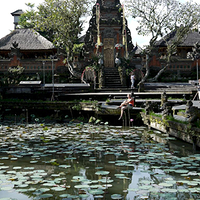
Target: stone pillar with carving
(101,77)
(15,55)
(167,110)
(123,76)
(191,112)
(110,34)
(163,98)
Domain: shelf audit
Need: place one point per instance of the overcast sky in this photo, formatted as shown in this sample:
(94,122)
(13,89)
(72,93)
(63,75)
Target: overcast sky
(9,6)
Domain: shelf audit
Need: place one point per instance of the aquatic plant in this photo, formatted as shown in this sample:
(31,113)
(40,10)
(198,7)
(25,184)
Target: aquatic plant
(94,161)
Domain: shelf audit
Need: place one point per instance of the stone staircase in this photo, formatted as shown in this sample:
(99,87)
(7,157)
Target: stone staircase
(112,78)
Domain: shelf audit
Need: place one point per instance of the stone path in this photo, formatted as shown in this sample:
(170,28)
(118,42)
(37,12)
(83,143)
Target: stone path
(196,103)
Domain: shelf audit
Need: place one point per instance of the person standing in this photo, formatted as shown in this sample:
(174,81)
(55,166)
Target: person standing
(132,77)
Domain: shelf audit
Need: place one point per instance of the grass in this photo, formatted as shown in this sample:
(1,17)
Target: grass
(170,98)
(171,118)
(156,115)
(183,111)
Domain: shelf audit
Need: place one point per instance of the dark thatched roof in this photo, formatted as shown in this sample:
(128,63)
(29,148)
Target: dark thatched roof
(27,39)
(189,40)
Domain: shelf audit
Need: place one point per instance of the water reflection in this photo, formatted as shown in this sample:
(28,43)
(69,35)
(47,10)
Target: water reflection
(83,161)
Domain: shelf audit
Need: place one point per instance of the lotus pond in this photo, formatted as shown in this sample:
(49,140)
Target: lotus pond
(84,161)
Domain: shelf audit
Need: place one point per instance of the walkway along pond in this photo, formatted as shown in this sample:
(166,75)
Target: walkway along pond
(85,161)
(164,115)
(58,110)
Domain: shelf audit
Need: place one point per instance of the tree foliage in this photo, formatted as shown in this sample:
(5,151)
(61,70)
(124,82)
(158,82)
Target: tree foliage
(60,20)
(195,54)
(27,19)
(158,18)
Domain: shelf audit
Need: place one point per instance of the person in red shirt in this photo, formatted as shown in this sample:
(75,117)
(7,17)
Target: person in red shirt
(128,103)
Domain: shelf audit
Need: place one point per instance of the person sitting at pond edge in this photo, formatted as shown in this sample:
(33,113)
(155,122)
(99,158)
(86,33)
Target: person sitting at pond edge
(128,103)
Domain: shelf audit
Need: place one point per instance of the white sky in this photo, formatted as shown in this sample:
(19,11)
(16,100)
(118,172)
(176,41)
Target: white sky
(6,8)
(9,6)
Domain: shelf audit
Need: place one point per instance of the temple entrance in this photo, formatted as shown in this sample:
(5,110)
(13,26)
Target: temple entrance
(109,52)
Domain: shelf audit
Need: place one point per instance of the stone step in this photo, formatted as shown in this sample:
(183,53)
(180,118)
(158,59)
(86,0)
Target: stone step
(113,83)
(110,69)
(112,73)
(114,86)
(109,79)
(112,78)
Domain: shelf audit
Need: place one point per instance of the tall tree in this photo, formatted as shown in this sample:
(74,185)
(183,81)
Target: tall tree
(157,18)
(60,20)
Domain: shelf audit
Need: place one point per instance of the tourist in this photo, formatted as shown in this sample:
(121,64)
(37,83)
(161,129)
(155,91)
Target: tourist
(128,103)
(132,77)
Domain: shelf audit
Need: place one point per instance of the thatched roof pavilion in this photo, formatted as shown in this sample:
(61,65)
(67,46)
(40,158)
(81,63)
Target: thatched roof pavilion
(26,48)
(188,41)
(181,64)
(30,43)
(27,39)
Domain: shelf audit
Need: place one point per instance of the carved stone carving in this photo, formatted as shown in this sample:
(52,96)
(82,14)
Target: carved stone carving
(109,52)
(108,2)
(163,98)
(191,111)
(148,107)
(108,33)
(111,23)
(167,110)
(15,51)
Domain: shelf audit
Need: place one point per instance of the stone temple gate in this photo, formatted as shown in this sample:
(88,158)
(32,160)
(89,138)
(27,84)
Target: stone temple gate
(108,37)
(108,34)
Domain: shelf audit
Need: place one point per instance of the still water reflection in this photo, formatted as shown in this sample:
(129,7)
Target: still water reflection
(84,161)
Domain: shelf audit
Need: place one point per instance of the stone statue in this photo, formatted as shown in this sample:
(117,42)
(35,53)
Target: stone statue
(167,110)
(163,98)
(191,112)
(148,107)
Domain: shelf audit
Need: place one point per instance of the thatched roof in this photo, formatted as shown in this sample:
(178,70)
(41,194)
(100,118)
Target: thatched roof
(188,41)
(27,39)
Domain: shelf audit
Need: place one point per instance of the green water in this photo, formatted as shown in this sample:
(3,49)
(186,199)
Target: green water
(83,161)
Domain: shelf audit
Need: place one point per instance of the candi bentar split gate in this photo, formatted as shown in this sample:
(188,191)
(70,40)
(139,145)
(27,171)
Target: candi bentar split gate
(108,46)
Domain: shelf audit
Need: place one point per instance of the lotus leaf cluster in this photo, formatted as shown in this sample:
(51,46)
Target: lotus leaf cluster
(85,161)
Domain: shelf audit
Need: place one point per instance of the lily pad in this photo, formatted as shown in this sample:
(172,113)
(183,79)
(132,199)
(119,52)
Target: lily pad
(96,192)
(102,172)
(81,186)
(44,196)
(181,171)
(58,188)
(116,196)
